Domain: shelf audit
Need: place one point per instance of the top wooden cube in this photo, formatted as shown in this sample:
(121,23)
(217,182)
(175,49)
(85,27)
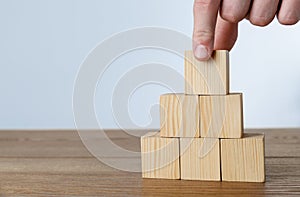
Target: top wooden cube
(207,77)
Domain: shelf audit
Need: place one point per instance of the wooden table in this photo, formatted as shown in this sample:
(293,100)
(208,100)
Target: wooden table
(56,163)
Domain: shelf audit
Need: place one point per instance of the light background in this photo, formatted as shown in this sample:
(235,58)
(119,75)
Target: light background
(43,42)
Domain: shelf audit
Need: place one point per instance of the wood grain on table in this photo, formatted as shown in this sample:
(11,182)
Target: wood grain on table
(56,163)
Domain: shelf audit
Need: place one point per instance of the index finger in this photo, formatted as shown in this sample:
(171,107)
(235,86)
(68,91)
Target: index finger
(205,18)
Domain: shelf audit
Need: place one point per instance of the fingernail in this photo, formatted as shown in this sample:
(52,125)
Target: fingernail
(201,52)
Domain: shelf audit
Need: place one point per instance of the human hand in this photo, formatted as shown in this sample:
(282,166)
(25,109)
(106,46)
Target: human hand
(216,23)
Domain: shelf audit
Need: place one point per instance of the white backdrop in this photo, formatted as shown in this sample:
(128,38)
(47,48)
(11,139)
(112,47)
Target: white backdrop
(42,44)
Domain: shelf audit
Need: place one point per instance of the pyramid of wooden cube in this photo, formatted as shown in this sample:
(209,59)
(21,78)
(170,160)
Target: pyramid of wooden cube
(202,131)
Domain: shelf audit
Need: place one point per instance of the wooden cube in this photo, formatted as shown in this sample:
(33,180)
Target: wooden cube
(243,159)
(221,116)
(179,115)
(200,159)
(160,156)
(207,77)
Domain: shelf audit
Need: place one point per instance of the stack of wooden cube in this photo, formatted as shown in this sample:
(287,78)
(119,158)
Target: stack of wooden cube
(202,133)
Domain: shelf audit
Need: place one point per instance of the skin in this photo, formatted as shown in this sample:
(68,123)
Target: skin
(216,21)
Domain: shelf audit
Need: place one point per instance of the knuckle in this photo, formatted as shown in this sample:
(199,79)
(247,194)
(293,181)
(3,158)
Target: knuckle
(203,3)
(233,18)
(204,35)
(260,21)
(287,20)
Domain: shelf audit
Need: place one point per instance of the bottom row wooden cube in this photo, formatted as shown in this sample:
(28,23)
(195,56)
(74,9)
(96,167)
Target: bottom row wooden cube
(160,156)
(200,159)
(203,158)
(243,159)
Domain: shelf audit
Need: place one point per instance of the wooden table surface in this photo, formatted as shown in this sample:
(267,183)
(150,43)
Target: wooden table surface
(56,163)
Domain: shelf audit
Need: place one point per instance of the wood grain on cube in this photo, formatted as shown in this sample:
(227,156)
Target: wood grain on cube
(179,115)
(221,116)
(160,157)
(207,77)
(243,159)
(200,159)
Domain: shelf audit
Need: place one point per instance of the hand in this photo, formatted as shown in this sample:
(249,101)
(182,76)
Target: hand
(216,23)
